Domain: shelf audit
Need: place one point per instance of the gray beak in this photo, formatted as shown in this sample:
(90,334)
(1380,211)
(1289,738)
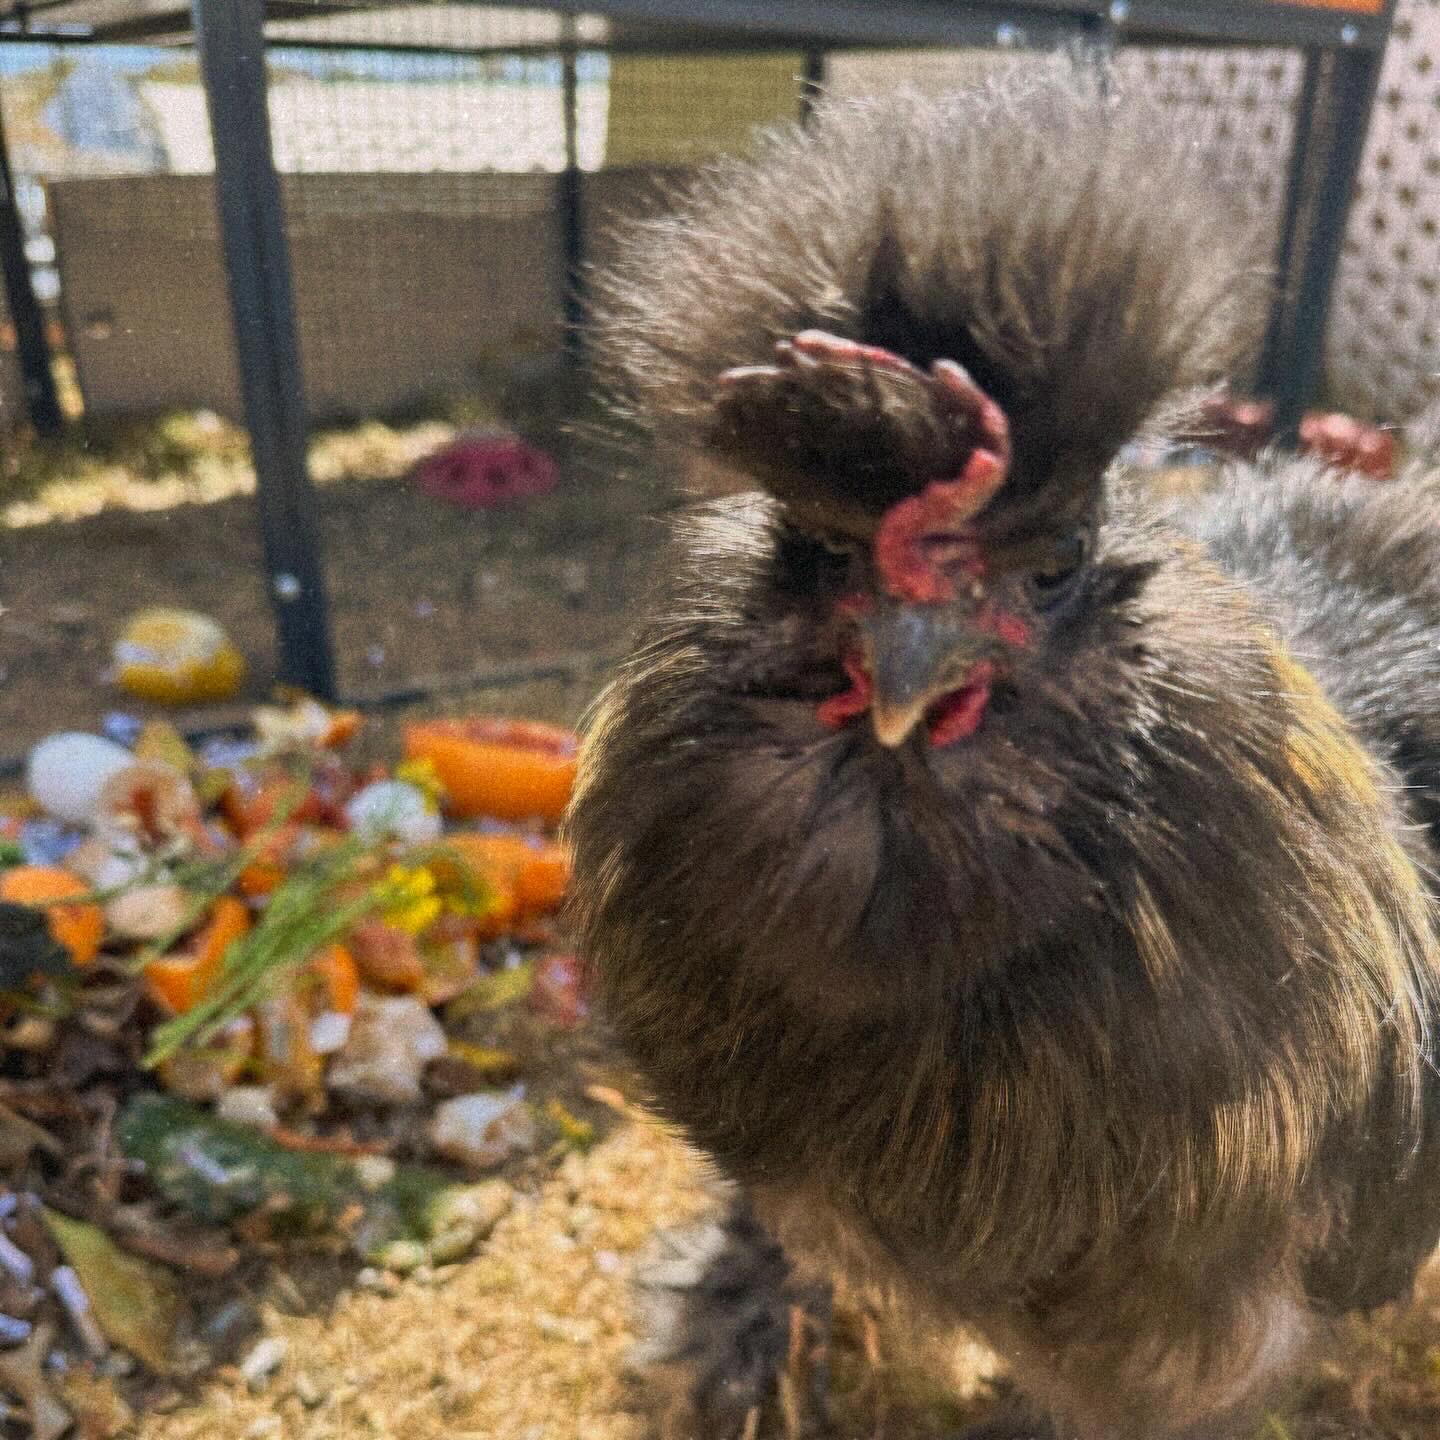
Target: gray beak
(916,653)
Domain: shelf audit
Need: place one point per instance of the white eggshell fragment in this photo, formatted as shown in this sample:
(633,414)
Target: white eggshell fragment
(483,1130)
(393,810)
(147,912)
(249,1105)
(391,1040)
(65,774)
(106,866)
(146,805)
(329,1031)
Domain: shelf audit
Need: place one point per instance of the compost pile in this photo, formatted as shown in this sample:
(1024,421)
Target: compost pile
(260,994)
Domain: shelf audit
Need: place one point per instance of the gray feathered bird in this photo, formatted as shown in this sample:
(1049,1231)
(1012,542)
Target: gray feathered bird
(1018,897)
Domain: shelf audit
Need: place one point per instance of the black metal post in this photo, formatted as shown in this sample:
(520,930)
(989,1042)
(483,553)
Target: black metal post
(231,41)
(812,83)
(572,219)
(42,403)
(1295,221)
(1345,90)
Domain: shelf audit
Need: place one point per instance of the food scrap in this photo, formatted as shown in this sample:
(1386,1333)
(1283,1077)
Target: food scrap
(255,992)
(177,657)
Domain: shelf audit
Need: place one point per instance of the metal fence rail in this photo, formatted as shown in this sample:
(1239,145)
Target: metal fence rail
(387,285)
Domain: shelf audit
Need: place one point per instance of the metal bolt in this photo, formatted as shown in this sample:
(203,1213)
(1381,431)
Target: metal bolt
(1007,35)
(1349,34)
(287,586)
(1119,12)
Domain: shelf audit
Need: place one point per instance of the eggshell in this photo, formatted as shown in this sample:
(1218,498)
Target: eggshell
(393,809)
(65,774)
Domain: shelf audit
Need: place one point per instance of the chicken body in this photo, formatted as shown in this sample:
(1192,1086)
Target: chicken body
(1013,894)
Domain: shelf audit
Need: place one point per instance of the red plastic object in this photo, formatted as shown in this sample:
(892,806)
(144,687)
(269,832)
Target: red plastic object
(1350,444)
(481,472)
(558,994)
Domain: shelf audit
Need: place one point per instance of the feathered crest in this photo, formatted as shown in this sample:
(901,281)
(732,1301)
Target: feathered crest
(1060,244)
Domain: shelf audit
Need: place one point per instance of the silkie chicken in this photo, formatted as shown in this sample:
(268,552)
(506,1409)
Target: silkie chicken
(1018,888)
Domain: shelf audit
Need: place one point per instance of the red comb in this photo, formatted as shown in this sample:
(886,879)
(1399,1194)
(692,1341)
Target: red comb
(922,537)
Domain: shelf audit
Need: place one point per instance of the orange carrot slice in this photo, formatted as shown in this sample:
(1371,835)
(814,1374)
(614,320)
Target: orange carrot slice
(335,968)
(79,928)
(536,872)
(386,956)
(179,982)
(509,769)
(266,872)
(544,879)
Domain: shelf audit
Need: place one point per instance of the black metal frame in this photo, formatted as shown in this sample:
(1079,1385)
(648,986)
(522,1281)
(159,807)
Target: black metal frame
(1335,103)
(231,41)
(1343,51)
(42,403)
(826,23)
(572,217)
(812,83)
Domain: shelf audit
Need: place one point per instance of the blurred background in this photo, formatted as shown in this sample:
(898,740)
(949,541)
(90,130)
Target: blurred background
(446,173)
(293,395)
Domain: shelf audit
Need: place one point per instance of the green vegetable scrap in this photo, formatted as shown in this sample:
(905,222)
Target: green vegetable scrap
(493,992)
(575,1133)
(313,908)
(219,1172)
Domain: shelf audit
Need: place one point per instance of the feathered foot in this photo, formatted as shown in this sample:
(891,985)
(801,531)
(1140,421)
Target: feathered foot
(737,1346)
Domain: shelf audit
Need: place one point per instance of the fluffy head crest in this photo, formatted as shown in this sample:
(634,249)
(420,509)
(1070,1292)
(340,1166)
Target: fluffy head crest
(820,383)
(1061,246)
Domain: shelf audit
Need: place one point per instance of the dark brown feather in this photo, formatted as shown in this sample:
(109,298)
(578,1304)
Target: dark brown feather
(1107,1030)
(1042,235)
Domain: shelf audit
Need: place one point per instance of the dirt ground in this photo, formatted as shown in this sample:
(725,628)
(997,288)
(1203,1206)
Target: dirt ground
(417,589)
(529,1340)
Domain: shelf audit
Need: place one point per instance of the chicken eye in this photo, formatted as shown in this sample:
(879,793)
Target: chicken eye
(1052,582)
(838,545)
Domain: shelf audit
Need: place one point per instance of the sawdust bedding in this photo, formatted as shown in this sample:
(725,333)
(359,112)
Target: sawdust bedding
(526,1342)
(531,1340)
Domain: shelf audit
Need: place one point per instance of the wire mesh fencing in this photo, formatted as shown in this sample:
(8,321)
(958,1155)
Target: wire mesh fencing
(397,125)
(445,168)
(1384,338)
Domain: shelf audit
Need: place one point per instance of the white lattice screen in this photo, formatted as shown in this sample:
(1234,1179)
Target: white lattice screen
(1384,341)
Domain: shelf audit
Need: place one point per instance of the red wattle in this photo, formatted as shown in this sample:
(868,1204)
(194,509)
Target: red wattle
(1000,623)
(959,714)
(838,710)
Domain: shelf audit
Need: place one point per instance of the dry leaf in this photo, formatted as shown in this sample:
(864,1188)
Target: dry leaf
(135,1303)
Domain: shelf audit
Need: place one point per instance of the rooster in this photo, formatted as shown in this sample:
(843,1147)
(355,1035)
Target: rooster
(1018,890)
